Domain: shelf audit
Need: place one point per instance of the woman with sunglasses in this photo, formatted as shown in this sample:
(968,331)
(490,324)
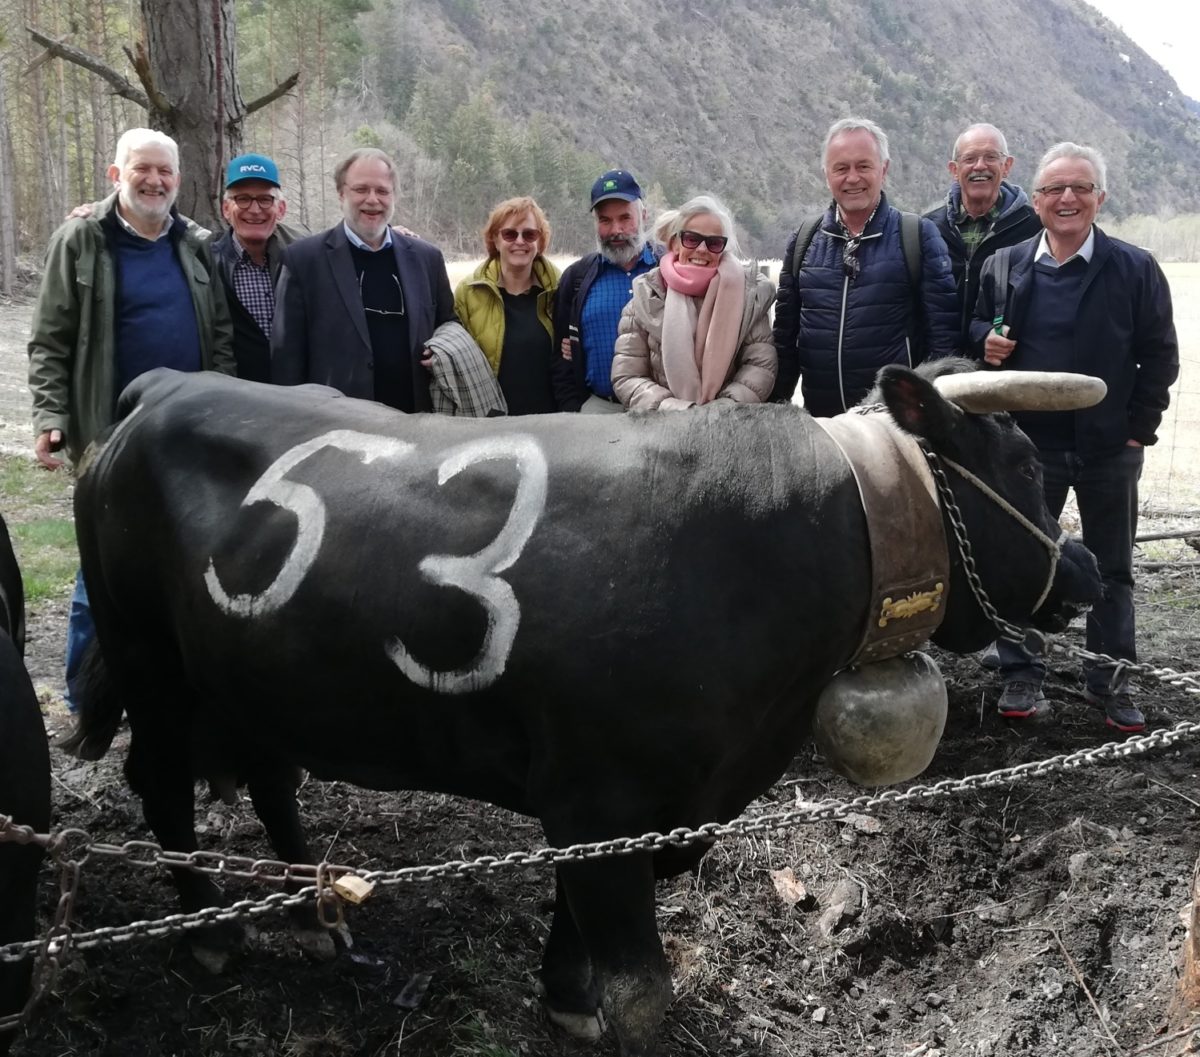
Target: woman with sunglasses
(507,305)
(697,328)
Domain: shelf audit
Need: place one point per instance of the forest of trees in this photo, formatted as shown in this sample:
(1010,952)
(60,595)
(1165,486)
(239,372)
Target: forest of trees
(359,84)
(477,101)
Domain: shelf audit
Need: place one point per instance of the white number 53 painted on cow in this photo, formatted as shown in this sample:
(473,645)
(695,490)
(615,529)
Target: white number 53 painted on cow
(476,574)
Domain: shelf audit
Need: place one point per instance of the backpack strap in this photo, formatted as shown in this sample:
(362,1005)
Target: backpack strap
(910,244)
(804,237)
(1001,262)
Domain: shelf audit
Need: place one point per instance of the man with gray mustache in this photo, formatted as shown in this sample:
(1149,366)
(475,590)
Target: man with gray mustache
(594,291)
(982,212)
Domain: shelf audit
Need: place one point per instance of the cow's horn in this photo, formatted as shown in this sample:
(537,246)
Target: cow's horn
(986,391)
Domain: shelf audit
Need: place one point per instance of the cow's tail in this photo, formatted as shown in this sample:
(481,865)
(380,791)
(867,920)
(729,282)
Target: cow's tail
(100,708)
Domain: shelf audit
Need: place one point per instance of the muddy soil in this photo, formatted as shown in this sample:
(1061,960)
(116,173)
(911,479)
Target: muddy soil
(1040,917)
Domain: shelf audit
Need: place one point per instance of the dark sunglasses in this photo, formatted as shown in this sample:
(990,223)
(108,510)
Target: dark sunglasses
(851,265)
(530,235)
(692,239)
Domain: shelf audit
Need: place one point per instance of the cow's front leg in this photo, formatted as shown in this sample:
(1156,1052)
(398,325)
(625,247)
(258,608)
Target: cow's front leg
(612,901)
(568,986)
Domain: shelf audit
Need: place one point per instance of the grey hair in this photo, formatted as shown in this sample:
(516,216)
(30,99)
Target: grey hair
(981,126)
(855,124)
(138,138)
(363,153)
(1067,149)
(669,224)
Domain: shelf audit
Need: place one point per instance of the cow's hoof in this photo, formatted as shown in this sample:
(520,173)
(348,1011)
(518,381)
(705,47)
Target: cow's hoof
(216,947)
(215,959)
(587,1027)
(321,944)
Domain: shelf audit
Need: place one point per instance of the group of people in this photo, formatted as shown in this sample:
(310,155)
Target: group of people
(663,316)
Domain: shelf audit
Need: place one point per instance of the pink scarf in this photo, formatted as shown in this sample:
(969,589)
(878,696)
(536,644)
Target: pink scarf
(699,342)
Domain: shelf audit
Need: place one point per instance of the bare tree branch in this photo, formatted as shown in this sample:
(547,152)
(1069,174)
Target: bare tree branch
(282,88)
(59,49)
(141,64)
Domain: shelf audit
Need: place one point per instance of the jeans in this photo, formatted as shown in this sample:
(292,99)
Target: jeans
(80,631)
(1106,490)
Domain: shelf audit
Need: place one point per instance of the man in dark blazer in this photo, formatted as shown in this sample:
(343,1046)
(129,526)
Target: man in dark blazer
(249,258)
(356,304)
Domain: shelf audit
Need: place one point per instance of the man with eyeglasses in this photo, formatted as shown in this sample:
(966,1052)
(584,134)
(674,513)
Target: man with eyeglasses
(249,257)
(872,286)
(357,304)
(982,212)
(594,291)
(1074,299)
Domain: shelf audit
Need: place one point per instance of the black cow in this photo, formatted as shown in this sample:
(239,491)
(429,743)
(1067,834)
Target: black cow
(616,624)
(24,784)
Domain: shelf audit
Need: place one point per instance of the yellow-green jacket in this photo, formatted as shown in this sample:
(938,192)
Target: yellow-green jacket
(480,308)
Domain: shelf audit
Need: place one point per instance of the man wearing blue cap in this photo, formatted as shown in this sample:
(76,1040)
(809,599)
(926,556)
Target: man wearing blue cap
(594,291)
(249,255)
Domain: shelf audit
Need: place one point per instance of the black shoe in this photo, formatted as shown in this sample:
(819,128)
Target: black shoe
(1119,711)
(1020,700)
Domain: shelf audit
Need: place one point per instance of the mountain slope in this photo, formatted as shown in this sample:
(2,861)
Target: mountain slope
(735,97)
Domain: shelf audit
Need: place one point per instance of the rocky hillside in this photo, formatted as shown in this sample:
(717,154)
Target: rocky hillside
(734,97)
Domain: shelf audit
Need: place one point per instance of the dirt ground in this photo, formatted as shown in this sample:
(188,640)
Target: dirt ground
(1036,918)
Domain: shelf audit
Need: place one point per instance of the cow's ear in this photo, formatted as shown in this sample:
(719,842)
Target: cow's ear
(917,406)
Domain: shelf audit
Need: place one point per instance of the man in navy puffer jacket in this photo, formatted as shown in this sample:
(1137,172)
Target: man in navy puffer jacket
(853,308)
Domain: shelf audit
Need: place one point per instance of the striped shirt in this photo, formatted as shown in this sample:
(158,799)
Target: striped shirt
(606,300)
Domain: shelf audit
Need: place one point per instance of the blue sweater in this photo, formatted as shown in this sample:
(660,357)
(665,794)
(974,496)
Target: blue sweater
(155,318)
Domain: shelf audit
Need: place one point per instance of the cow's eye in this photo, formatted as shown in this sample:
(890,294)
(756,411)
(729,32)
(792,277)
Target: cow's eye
(1029,470)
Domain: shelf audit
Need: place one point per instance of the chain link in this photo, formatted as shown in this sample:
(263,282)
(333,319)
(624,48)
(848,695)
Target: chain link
(275,872)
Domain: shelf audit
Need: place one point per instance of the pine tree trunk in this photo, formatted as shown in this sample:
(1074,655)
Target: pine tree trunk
(193,60)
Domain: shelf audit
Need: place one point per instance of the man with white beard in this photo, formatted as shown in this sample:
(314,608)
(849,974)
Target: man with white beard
(356,305)
(594,291)
(129,288)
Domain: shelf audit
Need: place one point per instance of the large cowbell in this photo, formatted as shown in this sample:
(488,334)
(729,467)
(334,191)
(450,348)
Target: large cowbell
(880,723)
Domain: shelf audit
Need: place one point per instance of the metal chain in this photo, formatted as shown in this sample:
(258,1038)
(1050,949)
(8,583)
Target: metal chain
(1012,632)
(147,854)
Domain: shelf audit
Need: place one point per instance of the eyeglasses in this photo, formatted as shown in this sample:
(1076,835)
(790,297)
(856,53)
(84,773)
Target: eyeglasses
(246,201)
(714,243)
(530,235)
(382,311)
(851,265)
(992,157)
(1057,190)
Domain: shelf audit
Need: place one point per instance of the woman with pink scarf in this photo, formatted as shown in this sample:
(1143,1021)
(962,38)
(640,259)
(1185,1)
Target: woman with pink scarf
(697,328)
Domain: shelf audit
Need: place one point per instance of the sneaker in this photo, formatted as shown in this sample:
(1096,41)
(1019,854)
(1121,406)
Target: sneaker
(990,658)
(1119,710)
(1020,700)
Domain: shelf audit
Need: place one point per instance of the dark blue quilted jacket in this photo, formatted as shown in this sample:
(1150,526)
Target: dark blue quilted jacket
(836,332)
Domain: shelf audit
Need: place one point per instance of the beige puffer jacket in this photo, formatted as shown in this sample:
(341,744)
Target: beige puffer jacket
(637,371)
